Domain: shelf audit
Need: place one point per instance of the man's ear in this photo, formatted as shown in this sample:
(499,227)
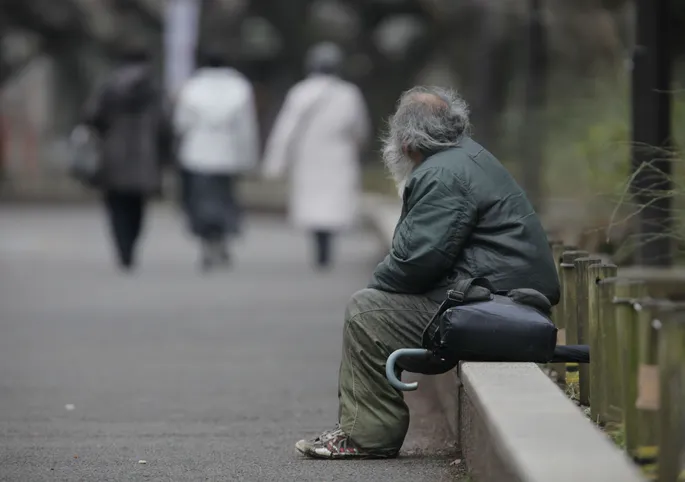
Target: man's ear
(412,154)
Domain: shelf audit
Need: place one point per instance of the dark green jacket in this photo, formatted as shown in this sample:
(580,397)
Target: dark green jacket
(464,216)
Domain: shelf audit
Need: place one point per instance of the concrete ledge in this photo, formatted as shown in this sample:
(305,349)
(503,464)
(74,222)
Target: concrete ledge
(516,425)
(511,422)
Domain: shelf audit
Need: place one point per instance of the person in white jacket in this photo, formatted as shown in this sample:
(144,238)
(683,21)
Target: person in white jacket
(216,121)
(318,136)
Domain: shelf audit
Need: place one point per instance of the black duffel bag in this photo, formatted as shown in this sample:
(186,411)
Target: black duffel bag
(476,324)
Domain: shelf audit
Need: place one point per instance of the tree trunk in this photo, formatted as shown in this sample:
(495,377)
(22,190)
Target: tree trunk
(535,100)
(651,122)
(487,73)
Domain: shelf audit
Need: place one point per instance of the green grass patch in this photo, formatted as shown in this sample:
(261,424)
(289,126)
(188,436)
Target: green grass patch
(617,434)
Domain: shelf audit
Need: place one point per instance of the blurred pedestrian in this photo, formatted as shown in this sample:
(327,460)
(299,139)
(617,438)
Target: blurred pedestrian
(129,117)
(216,121)
(318,136)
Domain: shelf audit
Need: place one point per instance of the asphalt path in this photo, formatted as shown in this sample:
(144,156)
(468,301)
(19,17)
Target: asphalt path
(201,377)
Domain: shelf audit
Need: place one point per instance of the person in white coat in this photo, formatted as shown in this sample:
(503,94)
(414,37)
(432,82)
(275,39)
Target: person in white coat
(216,121)
(317,137)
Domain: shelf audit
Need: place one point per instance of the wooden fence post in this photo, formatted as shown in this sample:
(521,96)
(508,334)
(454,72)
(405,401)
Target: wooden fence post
(672,385)
(647,400)
(659,436)
(627,292)
(582,324)
(568,304)
(557,318)
(610,352)
(597,335)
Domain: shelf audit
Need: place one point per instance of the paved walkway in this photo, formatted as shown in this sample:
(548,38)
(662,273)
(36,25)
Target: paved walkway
(205,378)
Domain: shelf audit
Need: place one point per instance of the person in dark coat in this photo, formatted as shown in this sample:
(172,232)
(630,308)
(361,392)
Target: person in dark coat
(128,115)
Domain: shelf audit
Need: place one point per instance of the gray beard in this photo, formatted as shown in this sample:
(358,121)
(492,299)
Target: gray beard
(399,166)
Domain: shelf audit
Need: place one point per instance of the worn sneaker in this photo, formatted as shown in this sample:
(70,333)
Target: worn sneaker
(335,444)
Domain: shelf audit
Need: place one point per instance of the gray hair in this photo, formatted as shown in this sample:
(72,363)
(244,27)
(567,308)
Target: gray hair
(427,120)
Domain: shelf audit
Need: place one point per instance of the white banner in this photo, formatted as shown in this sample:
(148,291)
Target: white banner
(181,25)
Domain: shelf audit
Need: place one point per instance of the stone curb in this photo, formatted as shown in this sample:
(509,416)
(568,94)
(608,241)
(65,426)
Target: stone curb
(516,425)
(512,422)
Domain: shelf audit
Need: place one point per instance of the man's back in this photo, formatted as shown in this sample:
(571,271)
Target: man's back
(216,118)
(470,211)
(508,244)
(128,114)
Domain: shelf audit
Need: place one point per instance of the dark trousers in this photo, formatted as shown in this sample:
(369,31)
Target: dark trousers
(211,205)
(322,242)
(184,191)
(125,211)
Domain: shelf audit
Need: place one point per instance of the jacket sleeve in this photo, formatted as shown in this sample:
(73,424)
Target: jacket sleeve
(183,117)
(440,216)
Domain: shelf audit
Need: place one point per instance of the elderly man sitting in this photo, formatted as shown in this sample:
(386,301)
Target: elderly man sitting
(463,216)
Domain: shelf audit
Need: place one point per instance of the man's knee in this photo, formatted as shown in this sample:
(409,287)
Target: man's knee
(363,301)
(364,323)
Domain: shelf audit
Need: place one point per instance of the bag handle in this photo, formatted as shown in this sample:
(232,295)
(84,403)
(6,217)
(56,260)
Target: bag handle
(462,287)
(455,296)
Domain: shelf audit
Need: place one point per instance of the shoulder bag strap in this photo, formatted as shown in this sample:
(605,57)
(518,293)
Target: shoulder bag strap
(456,296)
(306,118)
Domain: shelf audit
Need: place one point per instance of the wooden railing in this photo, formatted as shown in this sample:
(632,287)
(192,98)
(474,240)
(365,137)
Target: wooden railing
(634,321)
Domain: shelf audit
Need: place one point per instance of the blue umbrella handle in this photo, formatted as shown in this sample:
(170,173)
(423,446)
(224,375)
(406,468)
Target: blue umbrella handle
(390,367)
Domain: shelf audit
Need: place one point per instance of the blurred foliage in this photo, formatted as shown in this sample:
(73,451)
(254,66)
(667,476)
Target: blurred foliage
(588,142)
(588,145)
(588,159)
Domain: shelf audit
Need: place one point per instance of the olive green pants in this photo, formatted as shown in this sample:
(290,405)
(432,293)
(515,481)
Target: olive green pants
(372,413)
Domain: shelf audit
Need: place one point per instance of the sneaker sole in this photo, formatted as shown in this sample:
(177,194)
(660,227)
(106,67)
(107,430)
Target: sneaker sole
(314,455)
(299,449)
